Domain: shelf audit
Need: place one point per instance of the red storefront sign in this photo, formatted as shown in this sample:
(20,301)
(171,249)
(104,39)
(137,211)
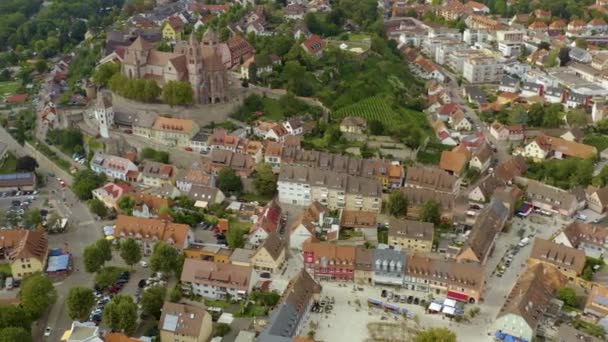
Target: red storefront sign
(458,296)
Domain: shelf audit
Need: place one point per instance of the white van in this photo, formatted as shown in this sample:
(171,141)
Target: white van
(9,283)
(524,242)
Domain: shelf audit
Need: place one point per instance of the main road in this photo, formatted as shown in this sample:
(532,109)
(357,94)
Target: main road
(83,230)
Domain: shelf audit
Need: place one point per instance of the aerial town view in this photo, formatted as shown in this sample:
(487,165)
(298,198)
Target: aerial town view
(303,170)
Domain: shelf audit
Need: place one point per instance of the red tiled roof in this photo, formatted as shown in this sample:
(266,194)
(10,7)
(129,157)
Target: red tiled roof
(16,98)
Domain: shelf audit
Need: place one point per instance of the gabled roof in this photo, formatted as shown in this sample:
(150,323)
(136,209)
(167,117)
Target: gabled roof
(274,245)
(488,225)
(561,256)
(182,319)
(314,44)
(453,161)
(34,244)
(530,296)
(578,232)
(409,229)
(513,167)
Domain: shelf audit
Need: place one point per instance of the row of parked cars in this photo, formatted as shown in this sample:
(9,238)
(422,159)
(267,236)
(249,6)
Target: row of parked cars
(157,279)
(104,298)
(397,298)
(16,193)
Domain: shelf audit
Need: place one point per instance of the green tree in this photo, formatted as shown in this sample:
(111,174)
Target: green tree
(14,334)
(14,316)
(568,295)
(165,258)
(431,212)
(130,252)
(80,302)
(126,204)
(104,73)
(435,335)
(235,238)
(32,218)
(37,294)
(581,43)
(576,118)
(264,179)
(176,294)
(85,182)
(229,182)
(107,276)
(375,127)
(41,66)
(152,301)
(105,248)
(120,314)
(93,259)
(98,207)
(177,93)
(397,204)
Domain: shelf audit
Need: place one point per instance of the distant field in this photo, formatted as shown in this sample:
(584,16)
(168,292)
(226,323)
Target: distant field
(8,88)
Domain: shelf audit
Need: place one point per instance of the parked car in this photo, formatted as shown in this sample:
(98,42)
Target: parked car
(143,264)
(47,331)
(265,275)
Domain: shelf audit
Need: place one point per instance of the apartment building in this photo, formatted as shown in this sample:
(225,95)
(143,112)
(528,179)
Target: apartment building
(216,280)
(529,298)
(474,36)
(328,261)
(431,178)
(455,59)
(147,232)
(184,323)
(444,278)
(157,174)
(25,251)
(242,164)
(304,185)
(484,233)
(597,302)
(112,166)
(553,199)
(590,238)
(389,173)
(414,236)
(482,69)
(174,132)
(289,318)
(483,22)
(569,261)
(388,267)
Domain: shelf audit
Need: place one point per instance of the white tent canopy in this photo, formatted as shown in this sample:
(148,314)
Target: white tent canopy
(449,302)
(435,307)
(448,310)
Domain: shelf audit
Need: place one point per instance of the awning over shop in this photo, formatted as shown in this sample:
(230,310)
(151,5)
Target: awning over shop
(449,302)
(448,310)
(435,307)
(458,296)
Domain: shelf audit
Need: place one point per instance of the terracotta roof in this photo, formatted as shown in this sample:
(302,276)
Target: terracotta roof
(10,238)
(453,161)
(269,219)
(358,219)
(182,319)
(272,148)
(576,23)
(217,274)
(537,25)
(530,296)
(158,170)
(561,256)
(513,167)
(558,24)
(568,148)
(16,98)
(446,271)
(475,5)
(151,230)
(34,244)
(163,123)
(448,109)
(119,337)
(430,177)
(314,44)
(330,252)
(597,22)
(364,258)
(483,153)
(153,202)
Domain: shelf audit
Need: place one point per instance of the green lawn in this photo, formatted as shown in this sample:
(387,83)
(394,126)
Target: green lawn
(9,88)
(9,165)
(250,197)
(600,141)
(272,110)
(242,226)
(5,268)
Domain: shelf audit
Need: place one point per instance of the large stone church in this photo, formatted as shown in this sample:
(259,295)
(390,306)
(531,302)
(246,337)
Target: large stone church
(198,63)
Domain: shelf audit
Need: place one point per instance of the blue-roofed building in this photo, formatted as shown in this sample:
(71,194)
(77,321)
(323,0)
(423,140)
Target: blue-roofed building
(288,318)
(597,302)
(388,266)
(25,181)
